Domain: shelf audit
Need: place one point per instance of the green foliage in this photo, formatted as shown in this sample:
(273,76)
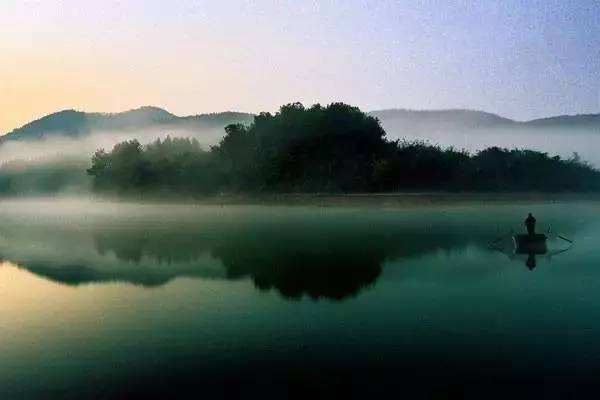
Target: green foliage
(173,164)
(235,159)
(318,149)
(422,166)
(336,148)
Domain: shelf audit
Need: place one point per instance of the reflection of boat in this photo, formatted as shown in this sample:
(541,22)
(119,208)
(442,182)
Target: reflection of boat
(530,244)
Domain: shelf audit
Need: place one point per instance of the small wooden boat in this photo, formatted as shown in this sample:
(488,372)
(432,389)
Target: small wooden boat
(530,244)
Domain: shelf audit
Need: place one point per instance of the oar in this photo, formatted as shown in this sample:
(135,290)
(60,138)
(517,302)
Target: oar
(564,238)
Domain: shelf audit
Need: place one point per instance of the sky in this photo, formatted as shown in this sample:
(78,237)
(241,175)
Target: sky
(520,59)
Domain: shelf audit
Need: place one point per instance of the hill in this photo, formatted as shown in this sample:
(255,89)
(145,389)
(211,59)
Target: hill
(580,121)
(397,122)
(72,123)
(401,122)
(455,117)
(462,129)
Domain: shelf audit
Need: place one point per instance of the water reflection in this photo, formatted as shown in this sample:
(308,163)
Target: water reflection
(331,255)
(294,266)
(531,254)
(429,306)
(531,261)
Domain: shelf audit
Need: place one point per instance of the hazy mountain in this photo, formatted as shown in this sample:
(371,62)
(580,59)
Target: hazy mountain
(73,123)
(400,122)
(442,118)
(475,130)
(75,132)
(581,121)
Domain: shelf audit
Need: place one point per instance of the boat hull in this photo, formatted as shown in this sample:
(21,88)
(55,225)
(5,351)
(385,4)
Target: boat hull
(530,244)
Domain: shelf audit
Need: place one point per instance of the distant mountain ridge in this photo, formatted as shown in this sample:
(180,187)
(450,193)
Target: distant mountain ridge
(461,116)
(397,122)
(478,119)
(460,126)
(74,123)
(580,120)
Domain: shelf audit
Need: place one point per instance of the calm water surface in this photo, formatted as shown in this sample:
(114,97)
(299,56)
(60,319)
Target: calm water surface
(124,301)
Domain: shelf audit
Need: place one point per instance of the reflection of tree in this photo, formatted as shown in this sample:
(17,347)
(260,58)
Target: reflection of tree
(80,274)
(293,266)
(330,263)
(314,268)
(300,254)
(164,247)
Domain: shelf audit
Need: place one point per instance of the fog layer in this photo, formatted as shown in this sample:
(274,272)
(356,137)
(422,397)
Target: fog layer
(561,142)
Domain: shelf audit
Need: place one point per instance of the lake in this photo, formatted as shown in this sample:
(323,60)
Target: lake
(112,300)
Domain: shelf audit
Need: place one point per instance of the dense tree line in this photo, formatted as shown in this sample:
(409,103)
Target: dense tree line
(336,148)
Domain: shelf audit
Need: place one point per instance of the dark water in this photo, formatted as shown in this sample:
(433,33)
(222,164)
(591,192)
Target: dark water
(122,301)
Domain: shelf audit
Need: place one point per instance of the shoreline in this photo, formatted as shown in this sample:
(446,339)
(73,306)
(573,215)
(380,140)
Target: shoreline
(409,198)
(395,199)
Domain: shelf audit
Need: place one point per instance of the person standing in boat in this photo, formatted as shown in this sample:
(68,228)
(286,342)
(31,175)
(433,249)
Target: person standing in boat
(530,224)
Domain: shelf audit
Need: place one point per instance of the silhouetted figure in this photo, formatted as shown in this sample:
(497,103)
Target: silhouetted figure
(531,262)
(530,224)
